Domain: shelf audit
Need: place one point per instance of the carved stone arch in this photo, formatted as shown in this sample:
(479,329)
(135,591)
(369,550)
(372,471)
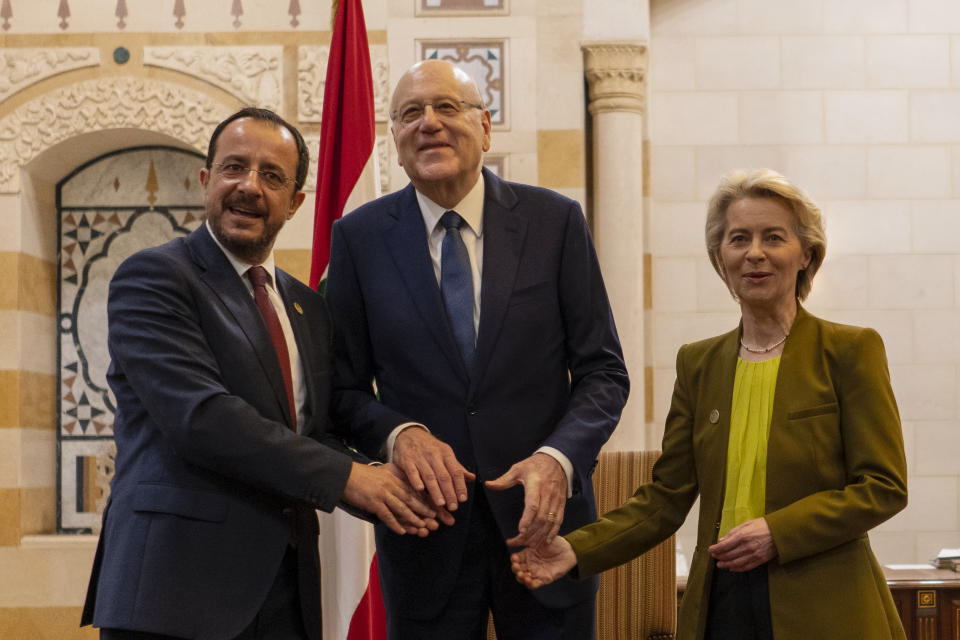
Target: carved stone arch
(176,111)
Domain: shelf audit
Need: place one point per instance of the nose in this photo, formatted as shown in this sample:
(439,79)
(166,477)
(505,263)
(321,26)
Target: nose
(755,251)
(429,119)
(251,181)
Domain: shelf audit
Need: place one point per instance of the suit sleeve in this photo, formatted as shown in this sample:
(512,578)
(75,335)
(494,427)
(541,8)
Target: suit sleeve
(354,404)
(874,463)
(658,508)
(168,378)
(598,376)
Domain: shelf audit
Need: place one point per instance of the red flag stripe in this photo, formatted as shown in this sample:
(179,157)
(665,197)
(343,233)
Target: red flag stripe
(347,130)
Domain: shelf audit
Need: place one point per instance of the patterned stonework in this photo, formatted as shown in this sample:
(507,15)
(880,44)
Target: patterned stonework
(252,74)
(20,68)
(312,75)
(95,105)
(616,73)
(381,146)
(483,60)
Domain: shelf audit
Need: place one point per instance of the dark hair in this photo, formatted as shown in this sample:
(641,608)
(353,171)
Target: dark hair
(265,115)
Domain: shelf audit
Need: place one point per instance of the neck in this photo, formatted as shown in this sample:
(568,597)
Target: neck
(763,327)
(447,194)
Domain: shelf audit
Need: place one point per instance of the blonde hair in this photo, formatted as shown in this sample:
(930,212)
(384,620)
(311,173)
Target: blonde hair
(766,183)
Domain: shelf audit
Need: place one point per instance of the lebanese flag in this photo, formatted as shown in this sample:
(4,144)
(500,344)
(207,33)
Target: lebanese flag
(346,171)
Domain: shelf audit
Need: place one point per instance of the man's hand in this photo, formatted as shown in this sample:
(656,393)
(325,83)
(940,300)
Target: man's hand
(745,547)
(544,497)
(537,566)
(431,466)
(382,492)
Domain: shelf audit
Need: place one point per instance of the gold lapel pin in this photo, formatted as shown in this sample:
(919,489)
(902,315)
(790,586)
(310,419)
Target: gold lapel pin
(296,305)
(714,417)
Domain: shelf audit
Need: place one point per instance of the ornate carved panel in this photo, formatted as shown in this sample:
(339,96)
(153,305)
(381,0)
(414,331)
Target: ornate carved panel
(312,76)
(252,74)
(425,7)
(484,61)
(95,105)
(20,68)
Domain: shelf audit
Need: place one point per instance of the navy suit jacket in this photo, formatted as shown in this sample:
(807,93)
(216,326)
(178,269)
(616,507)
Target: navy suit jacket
(207,465)
(548,369)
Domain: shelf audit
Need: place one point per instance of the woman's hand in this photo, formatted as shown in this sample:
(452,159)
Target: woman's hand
(537,566)
(745,547)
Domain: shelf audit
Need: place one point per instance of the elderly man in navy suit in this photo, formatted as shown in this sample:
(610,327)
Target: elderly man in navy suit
(476,349)
(221,370)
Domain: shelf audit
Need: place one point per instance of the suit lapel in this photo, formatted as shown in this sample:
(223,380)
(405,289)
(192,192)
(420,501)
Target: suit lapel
(406,239)
(220,276)
(301,333)
(503,235)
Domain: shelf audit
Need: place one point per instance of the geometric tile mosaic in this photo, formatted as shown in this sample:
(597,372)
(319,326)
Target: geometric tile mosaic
(483,61)
(108,210)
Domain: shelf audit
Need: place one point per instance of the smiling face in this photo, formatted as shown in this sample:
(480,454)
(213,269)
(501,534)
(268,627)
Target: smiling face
(244,213)
(441,154)
(762,254)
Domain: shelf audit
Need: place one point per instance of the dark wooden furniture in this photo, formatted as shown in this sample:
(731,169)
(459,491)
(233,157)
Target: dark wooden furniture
(928,601)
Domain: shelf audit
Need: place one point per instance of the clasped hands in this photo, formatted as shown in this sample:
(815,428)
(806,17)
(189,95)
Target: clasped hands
(431,483)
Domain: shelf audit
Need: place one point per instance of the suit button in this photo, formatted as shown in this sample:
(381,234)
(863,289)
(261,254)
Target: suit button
(472,411)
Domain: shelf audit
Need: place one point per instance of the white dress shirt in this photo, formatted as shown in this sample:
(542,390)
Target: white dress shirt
(296,366)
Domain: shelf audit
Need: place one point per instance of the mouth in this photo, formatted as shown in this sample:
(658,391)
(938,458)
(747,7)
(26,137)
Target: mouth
(756,276)
(430,146)
(243,212)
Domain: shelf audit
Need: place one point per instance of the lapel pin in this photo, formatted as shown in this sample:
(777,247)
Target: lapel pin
(714,417)
(296,305)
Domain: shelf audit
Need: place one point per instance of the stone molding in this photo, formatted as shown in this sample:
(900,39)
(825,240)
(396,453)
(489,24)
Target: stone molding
(20,68)
(253,74)
(312,77)
(96,105)
(616,73)
(381,147)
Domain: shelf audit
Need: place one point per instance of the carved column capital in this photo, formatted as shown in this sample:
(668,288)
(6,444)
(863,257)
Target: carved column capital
(616,73)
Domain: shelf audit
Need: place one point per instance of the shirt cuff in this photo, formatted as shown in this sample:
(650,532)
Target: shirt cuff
(392,438)
(564,462)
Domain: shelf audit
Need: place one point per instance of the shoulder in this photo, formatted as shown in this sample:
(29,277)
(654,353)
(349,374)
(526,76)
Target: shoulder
(835,336)
(373,212)
(169,258)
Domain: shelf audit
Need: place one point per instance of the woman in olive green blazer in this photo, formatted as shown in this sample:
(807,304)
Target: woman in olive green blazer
(835,461)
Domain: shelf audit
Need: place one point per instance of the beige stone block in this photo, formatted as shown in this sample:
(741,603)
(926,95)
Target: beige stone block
(893,547)
(9,518)
(932,506)
(911,282)
(715,162)
(870,117)
(925,391)
(686,18)
(672,173)
(38,453)
(297,233)
(779,16)
(27,341)
(296,262)
(933,16)
(663,381)
(54,573)
(44,623)
(908,172)
(936,447)
(955,171)
(894,327)
(36,283)
(10,230)
(701,118)
(955,61)
(27,399)
(560,158)
(676,228)
(823,62)
(936,226)
(906,62)
(841,283)
(712,293)
(673,63)
(10,458)
(937,338)
(934,116)
(737,63)
(867,227)
(865,16)
(38,510)
(929,544)
(782,117)
(674,284)
(827,171)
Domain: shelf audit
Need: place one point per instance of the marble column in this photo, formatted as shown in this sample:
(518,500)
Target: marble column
(616,73)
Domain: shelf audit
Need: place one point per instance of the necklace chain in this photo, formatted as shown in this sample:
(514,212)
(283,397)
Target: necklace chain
(764,349)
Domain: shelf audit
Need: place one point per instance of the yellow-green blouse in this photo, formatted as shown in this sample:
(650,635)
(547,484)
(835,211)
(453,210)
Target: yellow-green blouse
(752,409)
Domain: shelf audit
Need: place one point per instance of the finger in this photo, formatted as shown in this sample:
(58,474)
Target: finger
(388,519)
(430,484)
(402,513)
(445,517)
(445,478)
(507,480)
(460,477)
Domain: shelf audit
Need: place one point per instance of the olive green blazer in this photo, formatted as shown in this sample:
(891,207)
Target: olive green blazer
(835,469)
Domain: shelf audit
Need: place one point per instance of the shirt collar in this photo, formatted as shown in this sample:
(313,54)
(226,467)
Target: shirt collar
(241,266)
(470,209)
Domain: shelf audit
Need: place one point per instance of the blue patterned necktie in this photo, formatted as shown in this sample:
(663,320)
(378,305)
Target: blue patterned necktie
(456,286)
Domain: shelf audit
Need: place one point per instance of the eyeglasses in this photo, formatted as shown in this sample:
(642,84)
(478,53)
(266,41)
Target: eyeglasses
(446,108)
(235,171)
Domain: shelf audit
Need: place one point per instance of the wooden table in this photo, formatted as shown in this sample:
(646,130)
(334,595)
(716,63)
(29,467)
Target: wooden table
(928,601)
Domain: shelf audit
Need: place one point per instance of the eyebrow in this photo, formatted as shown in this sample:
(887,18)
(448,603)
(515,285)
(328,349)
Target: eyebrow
(764,230)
